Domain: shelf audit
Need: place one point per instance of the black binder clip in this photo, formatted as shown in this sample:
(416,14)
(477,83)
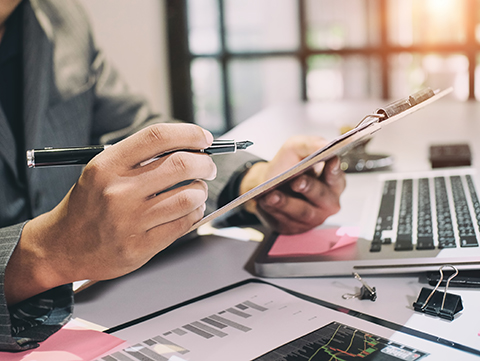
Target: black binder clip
(437,303)
(366,292)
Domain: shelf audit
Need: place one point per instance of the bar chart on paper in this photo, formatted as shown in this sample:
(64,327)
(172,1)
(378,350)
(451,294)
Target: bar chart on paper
(176,341)
(224,321)
(251,320)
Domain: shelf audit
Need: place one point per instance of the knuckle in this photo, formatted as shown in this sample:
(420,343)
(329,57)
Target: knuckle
(307,215)
(156,133)
(179,163)
(184,201)
(95,172)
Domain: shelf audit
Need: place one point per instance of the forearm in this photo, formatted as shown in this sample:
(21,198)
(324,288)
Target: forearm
(30,270)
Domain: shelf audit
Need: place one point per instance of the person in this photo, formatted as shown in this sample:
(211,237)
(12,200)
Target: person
(63,224)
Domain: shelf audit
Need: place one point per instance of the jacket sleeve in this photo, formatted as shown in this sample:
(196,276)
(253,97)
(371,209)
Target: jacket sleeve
(117,113)
(31,321)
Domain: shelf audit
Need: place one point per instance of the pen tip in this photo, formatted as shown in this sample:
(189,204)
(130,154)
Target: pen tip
(244,144)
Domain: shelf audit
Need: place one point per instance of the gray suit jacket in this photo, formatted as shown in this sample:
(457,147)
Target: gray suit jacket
(72,96)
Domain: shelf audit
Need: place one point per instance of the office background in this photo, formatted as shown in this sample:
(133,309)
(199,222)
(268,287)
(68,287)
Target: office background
(133,35)
(218,62)
(431,42)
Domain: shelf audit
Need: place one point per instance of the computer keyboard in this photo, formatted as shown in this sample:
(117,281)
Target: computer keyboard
(432,212)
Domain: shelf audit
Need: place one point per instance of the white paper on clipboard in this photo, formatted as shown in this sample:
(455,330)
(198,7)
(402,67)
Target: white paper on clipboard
(369,125)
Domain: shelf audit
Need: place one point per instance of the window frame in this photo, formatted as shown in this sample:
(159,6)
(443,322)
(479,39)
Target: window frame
(180,57)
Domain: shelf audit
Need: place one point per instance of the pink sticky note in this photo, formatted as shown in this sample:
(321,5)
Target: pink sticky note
(314,242)
(72,343)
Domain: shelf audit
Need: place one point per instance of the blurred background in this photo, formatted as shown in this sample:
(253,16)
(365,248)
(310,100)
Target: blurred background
(218,62)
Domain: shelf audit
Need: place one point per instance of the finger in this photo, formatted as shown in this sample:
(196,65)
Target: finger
(174,204)
(316,192)
(171,170)
(317,168)
(162,236)
(294,150)
(279,204)
(334,176)
(157,139)
(281,222)
(141,249)
(303,146)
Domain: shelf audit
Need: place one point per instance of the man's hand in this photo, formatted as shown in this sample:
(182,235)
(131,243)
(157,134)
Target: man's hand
(118,215)
(304,202)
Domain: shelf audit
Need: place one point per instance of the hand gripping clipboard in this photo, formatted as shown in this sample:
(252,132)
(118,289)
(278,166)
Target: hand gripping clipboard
(369,125)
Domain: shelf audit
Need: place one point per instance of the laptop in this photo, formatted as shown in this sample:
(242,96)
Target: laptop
(389,223)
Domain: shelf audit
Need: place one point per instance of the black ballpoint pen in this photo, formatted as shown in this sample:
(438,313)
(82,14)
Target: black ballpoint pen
(49,157)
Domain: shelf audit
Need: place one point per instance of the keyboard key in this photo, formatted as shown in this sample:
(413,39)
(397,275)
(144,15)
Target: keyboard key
(468,241)
(446,242)
(403,245)
(387,240)
(376,246)
(425,243)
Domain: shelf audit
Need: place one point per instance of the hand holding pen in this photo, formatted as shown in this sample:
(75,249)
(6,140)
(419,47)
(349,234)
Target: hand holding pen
(50,156)
(118,215)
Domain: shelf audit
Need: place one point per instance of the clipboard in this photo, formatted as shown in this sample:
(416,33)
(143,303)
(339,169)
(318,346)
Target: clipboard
(368,126)
(248,312)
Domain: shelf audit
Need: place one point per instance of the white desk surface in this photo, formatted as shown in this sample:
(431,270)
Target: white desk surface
(212,262)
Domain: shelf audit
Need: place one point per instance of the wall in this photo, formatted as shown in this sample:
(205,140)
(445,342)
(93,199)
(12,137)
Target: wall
(133,35)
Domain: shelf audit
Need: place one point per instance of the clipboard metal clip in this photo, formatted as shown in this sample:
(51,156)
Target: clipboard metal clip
(398,106)
(436,303)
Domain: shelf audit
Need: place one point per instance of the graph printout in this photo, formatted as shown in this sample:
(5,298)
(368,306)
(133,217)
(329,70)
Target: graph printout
(249,321)
(342,343)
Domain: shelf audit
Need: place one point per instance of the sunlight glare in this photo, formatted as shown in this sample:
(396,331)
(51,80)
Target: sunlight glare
(441,7)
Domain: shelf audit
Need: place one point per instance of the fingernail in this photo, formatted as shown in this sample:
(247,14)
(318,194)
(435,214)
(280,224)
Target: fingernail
(300,185)
(208,136)
(335,169)
(273,199)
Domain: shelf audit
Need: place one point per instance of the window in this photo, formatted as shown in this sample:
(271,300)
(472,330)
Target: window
(231,58)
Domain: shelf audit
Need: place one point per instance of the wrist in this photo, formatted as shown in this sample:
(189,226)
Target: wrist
(31,270)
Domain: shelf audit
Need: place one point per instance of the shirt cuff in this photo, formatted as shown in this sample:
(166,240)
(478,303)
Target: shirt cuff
(39,317)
